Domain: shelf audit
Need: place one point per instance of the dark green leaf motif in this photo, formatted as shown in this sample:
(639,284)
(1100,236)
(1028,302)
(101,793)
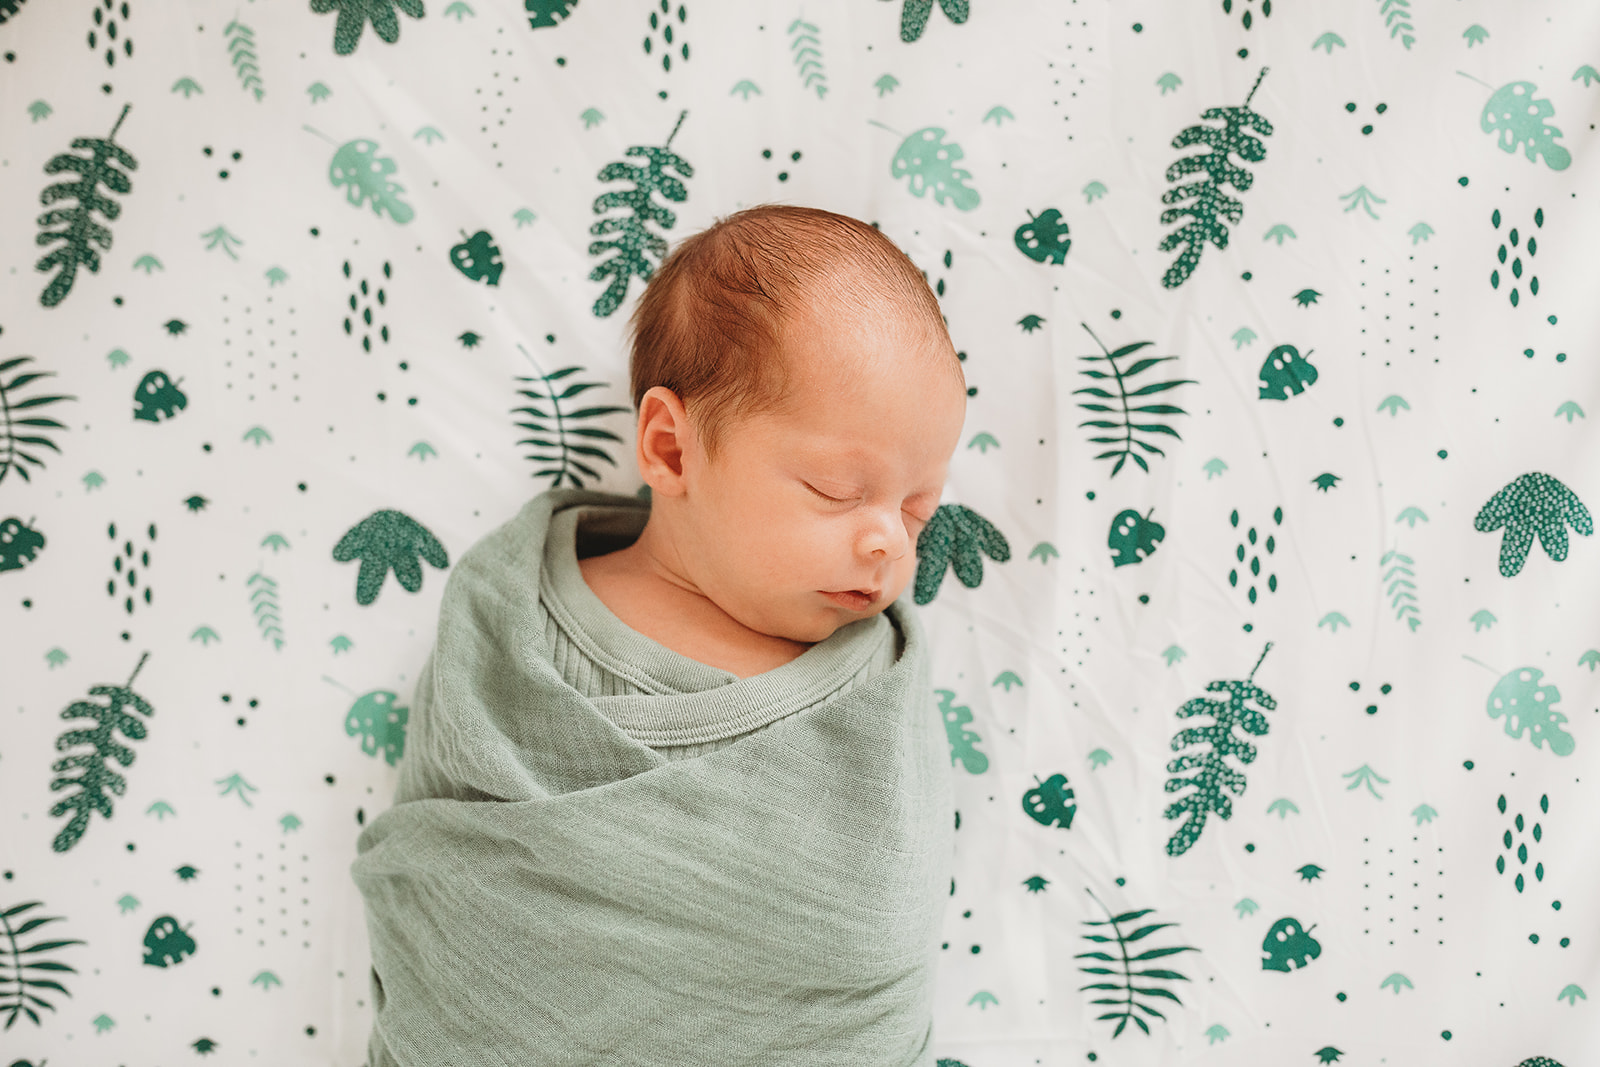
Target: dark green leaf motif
(12,443)
(956,536)
(914,16)
(633,239)
(559,433)
(1210,204)
(546,13)
(81,230)
(1128,417)
(1120,968)
(16,994)
(1215,778)
(1534,503)
(353,16)
(96,779)
(388,539)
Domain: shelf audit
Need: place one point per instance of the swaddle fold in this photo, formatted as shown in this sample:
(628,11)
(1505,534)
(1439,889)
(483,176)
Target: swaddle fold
(548,890)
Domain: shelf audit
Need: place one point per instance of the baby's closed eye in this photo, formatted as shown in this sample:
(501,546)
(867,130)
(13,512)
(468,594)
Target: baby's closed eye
(836,499)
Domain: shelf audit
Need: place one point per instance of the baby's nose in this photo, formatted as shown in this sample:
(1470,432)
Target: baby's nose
(888,538)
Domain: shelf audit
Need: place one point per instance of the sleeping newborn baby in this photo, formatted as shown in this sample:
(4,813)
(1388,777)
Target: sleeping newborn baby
(675,789)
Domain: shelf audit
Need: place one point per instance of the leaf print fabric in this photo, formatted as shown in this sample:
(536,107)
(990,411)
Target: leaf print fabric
(1259,595)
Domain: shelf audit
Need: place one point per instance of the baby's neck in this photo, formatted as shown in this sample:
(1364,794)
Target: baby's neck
(629,583)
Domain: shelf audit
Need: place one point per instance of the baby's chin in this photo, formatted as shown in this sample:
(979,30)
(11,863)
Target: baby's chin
(818,626)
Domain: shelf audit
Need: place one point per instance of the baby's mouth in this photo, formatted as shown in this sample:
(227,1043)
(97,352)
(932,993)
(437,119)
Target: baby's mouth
(854,599)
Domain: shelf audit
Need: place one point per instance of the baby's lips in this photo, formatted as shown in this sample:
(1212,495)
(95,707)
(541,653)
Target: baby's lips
(872,596)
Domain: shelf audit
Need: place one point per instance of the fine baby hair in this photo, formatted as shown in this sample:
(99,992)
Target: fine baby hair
(710,323)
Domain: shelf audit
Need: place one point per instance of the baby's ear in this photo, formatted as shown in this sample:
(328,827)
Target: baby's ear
(664,430)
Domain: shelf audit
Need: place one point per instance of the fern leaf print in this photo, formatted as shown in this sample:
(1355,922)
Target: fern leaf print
(1395,15)
(241,50)
(81,229)
(13,444)
(96,780)
(1125,413)
(1213,743)
(807,56)
(353,16)
(634,244)
(264,606)
(559,431)
(1210,204)
(16,990)
(1118,975)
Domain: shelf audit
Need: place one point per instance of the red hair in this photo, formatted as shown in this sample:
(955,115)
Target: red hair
(709,323)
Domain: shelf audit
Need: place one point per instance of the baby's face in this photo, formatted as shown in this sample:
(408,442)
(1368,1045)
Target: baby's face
(829,496)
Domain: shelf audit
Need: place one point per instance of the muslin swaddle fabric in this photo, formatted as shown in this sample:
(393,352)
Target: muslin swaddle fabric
(546,889)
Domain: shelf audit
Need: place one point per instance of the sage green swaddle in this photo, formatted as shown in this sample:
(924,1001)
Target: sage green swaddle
(547,889)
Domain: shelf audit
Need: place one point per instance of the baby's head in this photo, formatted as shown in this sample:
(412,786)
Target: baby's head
(799,401)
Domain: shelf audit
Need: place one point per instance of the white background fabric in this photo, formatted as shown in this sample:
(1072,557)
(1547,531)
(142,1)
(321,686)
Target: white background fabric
(242,803)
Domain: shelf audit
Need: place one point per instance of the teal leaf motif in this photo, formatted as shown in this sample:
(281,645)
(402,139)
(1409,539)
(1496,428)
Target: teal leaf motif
(1365,775)
(633,238)
(264,606)
(241,51)
(1395,13)
(1529,705)
(1397,982)
(1119,413)
(1283,807)
(81,230)
(807,56)
(380,720)
(932,166)
(1007,679)
(1210,205)
(365,177)
(956,537)
(559,430)
(1518,117)
(1400,586)
(963,742)
(1215,778)
(1121,972)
